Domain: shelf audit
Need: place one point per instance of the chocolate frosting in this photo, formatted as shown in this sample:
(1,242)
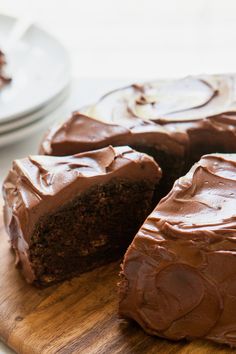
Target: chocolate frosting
(3,79)
(82,133)
(178,277)
(38,185)
(186,117)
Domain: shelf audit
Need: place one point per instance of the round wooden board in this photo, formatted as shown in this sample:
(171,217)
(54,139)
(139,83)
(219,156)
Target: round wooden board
(77,316)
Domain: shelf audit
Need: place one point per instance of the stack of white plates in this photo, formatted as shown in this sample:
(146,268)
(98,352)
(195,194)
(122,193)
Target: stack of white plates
(39,67)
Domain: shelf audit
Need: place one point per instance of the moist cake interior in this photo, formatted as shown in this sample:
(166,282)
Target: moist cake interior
(93,229)
(172,167)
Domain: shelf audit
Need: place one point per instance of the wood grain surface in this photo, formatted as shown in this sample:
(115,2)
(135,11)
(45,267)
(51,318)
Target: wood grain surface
(78,316)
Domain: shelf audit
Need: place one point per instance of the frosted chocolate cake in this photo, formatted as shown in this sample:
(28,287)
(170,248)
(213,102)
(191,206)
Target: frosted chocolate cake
(175,121)
(67,215)
(178,279)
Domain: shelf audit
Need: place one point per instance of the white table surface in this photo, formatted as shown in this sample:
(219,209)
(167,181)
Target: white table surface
(126,39)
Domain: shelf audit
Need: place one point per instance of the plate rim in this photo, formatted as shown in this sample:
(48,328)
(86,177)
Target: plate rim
(32,128)
(57,91)
(26,120)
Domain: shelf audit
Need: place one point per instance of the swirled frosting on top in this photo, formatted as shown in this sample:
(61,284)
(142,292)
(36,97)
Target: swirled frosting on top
(184,119)
(39,185)
(178,278)
(187,99)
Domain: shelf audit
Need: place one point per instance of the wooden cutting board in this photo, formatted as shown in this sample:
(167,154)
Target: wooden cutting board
(78,316)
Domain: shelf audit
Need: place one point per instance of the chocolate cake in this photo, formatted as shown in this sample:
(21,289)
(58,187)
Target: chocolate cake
(175,121)
(67,215)
(3,79)
(178,279)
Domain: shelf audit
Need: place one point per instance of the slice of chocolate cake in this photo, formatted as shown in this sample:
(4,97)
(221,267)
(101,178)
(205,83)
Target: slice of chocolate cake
(175,121)
(179,274)
(3,79)
(67,215)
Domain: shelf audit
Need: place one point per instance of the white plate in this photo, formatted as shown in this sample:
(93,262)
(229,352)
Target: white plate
(27,131)
(39,67)
(7,127)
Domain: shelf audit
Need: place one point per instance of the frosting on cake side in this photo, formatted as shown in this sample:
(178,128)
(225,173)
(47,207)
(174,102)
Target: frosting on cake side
(178,277)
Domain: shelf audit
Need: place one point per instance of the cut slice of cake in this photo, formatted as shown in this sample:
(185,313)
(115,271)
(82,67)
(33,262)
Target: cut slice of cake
(67,215)
(179,274)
